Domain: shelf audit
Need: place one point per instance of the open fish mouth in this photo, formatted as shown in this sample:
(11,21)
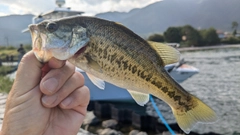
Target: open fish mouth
(46,46)
(38,44)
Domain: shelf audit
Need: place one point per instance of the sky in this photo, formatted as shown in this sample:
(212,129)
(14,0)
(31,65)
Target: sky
(90,7)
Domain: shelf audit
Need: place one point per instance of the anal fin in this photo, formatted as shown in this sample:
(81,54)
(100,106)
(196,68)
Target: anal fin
(140,98)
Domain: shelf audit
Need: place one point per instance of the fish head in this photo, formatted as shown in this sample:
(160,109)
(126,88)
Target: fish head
(57,38)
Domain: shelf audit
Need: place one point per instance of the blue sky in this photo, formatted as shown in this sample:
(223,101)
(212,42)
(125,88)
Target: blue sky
(90,7)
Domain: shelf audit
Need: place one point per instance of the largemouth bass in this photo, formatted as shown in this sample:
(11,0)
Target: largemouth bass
(109,51)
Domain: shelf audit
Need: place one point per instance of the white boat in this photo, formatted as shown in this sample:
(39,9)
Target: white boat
(179,71)
(58,12)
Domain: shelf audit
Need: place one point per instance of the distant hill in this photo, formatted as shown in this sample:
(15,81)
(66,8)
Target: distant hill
(11,27)
(154,18)
(157,17)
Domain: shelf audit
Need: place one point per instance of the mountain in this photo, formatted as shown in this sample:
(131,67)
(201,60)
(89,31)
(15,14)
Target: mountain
(154,18)
(157,17)
(11,27)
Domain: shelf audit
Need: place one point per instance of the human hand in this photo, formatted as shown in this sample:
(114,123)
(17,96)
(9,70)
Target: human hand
(45,99)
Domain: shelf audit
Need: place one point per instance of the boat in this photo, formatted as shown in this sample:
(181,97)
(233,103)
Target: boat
(179,71)
(59,12)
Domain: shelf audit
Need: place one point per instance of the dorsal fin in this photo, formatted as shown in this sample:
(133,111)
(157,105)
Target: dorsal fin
(168,54)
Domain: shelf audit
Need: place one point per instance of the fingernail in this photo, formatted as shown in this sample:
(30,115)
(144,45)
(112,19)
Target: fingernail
(49,100)
(50,84)
(67,101)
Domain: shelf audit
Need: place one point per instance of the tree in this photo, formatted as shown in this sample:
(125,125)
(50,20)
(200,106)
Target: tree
(210,37)
(234,27)
(193,37)
(156,38)
(173,35)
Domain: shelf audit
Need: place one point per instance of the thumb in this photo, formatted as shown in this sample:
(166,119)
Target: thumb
(28,74)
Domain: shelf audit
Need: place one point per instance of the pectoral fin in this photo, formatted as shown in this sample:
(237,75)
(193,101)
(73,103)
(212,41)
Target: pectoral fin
(93,64)
(140,98)
(168,54)
(79,70)
(96,81)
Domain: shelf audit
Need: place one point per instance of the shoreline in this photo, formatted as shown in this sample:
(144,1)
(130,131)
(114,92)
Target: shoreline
(187,49)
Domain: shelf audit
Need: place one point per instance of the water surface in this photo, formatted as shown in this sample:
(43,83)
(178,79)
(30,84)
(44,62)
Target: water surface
(217,84)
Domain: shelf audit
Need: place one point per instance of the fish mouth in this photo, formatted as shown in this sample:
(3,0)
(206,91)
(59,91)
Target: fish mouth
(38,44)
(60,49)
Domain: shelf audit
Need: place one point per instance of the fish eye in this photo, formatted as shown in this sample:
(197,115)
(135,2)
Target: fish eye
(51,27)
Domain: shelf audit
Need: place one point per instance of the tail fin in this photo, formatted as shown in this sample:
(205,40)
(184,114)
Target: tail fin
(200,113)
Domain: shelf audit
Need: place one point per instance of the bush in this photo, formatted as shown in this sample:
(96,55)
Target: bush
(173,35)
(231,40)
(5,84)
(2,47)
(10,48)
(27,47)
(209,37)
(156,38)
(4,70)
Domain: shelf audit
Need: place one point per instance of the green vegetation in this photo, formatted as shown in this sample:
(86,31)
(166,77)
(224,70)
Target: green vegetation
(173,35)
(11,50)
(5,82)
(210,37)
(188,36)
(192,36)
(234,27)
(231,40)
(156,38)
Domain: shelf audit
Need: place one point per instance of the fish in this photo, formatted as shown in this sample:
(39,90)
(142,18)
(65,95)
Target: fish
(109,51)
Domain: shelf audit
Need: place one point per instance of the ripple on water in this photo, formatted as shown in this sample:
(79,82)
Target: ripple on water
(218,85)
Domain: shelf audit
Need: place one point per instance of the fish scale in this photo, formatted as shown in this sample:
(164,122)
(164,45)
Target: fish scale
(113,53)
(143,78)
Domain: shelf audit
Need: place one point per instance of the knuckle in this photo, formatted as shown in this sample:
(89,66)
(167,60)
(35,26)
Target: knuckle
(79,77)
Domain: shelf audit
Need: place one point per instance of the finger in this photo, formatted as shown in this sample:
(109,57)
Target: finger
(56,78)
(74,82)
(55,63)
(78,100)
(45,69)
(28,74)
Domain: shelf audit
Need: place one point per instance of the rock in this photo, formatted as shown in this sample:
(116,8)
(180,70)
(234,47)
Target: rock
(84,132)
(91,119)
(108,131)
(109,123)
(136,132)
(133,132)
(142,133)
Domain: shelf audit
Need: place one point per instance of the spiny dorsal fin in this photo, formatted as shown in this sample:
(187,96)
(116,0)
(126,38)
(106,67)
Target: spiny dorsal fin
(96,81)
(168,54)
(140,98)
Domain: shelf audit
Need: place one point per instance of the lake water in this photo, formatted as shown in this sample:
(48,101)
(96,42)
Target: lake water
(217,84)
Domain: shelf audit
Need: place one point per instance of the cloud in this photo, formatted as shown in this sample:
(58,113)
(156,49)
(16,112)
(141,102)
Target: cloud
(96,6)
(90,7)
(28,6)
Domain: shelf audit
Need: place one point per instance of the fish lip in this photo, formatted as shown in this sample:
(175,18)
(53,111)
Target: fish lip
(38,48)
